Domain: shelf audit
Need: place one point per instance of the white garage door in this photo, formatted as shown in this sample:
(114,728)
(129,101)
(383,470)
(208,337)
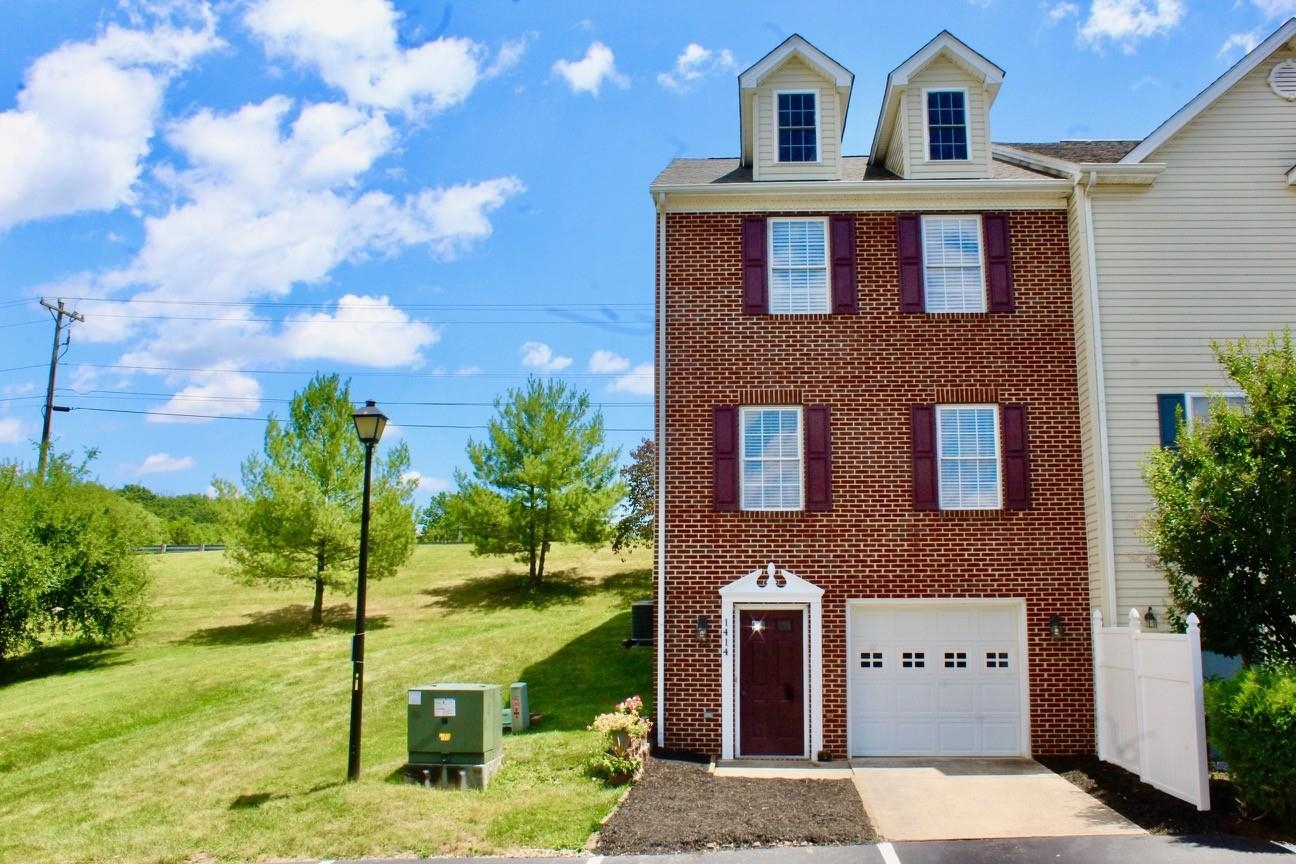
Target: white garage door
(930,680)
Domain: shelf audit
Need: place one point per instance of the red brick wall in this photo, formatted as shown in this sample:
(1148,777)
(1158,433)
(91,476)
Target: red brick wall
(870,368)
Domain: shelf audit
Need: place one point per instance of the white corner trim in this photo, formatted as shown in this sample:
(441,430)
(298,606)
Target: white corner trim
(761,588)
(659,701)
(1218,88)
(1106,523)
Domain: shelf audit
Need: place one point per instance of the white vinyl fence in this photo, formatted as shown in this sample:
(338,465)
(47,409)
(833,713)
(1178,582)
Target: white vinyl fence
(1151,720)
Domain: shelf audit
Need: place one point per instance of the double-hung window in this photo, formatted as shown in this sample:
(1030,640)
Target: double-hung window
(967,453)
(798,266)
(953,272)
(771,458)
(798,135)
(947,137)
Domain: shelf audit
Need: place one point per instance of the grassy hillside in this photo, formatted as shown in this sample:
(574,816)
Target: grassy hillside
(221,732)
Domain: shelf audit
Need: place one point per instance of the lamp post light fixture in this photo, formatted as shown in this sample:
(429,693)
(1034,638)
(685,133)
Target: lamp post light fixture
(369,425)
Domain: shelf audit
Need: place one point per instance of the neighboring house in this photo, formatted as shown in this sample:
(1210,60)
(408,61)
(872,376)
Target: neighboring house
(1186,236)
(872,521)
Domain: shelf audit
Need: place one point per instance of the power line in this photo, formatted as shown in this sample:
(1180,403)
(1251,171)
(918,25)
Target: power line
(451,376)
(136,394)
(252,304)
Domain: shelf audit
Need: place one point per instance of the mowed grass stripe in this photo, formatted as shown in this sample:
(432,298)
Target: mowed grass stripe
(221,732)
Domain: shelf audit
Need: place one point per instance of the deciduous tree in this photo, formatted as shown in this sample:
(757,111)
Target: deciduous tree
(541,476)
(635,528)
(1223,523)
(297,518)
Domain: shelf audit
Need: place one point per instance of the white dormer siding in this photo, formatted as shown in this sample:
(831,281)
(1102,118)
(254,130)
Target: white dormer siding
(797,76)
(940,75)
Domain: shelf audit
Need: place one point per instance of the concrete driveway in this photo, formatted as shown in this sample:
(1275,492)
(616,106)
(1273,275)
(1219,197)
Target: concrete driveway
(975,799)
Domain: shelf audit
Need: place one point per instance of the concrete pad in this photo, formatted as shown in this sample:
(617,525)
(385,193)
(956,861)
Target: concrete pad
(782,769)
(973,799)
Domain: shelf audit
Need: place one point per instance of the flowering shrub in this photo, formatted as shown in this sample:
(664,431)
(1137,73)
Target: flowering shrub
(625,738)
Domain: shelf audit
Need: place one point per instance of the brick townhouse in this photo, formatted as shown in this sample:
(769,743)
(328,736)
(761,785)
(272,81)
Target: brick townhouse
(872,522)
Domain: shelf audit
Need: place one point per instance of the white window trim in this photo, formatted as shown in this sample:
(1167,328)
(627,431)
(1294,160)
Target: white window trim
(926,124)
(998,455)
(1190,395)
(981,253)
(742,456)
(827,265)
(818,125)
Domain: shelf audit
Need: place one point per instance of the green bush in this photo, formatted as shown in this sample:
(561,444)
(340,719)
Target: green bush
(1252,722)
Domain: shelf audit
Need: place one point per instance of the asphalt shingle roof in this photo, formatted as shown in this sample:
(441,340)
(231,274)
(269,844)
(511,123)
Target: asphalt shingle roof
(1081,151)
(716,172)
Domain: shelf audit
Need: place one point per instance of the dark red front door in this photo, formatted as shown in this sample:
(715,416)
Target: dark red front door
(771,682)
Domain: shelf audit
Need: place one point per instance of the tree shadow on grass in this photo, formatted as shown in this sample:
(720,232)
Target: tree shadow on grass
(606,672)
(289,622)
(515,591)
(59,659)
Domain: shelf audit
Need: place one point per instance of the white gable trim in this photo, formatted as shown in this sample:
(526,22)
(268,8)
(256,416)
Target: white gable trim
(794,44)
(770,587)
(949,45)
(1207,97)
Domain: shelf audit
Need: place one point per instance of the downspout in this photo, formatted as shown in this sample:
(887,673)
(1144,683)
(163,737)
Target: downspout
(1105,518)
(660,503)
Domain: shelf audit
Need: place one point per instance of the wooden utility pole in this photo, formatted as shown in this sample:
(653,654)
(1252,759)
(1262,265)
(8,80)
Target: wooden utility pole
(59,312)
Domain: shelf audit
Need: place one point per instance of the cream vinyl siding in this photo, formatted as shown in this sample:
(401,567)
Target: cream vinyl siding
(1207,252)
(797,76)
(897,158)
(942,74)
(1088,399)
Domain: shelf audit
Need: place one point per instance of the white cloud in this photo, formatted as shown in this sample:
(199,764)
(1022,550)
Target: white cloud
(367,331)
(220,393)
(1275,8)
(1239,44)
(1061,11)
(509,55)
(588,74)
(11,431)
(163,463)
(539,356)
(693,64)
(602,361)
(84,117)
(353,45)
(1128,22)
(424,483)
(638,381)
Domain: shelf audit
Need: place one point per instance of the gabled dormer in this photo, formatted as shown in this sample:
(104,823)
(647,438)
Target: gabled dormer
(792,112)
(935,119)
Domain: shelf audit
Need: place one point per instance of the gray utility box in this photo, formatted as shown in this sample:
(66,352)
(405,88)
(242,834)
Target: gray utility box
(454,724)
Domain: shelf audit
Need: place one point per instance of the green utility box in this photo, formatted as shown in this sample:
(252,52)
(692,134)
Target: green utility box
(454,724)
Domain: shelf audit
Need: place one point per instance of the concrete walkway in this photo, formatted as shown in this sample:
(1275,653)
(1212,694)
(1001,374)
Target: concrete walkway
(973,799)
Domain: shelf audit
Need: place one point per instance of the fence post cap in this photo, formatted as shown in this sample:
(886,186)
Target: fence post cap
(1193,620)
(1095,615)
(1135,619)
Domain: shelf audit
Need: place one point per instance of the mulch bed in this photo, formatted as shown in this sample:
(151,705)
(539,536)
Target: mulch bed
(1157,812)
(679,806)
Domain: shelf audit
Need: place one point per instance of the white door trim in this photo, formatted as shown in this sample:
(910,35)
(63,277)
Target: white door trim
(771,588)
(1023,667)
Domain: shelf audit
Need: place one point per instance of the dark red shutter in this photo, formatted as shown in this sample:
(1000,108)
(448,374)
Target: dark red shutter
(998,256)
(844,294)
(909,251)
(922,431)
(1016,457)
(725,456)
(818,459)
(755,278)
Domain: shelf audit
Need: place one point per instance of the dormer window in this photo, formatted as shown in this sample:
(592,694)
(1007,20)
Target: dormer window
(798,129)
(947,134)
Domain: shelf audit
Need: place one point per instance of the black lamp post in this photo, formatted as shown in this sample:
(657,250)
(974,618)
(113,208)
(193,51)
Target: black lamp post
(369,424)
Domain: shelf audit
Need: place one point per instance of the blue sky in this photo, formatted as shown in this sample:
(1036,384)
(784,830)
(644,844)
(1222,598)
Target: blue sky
(432,199)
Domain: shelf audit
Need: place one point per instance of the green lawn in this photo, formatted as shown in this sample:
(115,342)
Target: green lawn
(221,732)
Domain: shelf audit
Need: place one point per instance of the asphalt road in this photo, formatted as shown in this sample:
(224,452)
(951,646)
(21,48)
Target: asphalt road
(1056,850)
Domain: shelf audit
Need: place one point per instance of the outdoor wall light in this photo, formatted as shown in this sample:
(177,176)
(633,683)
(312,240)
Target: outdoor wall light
(703,628)
(1057,627)
(1150,619)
